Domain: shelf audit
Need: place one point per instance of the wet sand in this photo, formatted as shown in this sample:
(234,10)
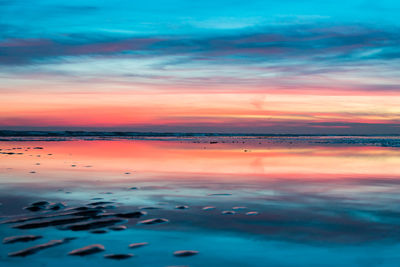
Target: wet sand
(199,201)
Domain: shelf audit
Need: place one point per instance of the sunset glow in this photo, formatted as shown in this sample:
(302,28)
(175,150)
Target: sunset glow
(309,68)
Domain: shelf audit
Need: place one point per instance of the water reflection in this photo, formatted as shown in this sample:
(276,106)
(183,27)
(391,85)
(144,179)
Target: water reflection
(308,197)
(252,158)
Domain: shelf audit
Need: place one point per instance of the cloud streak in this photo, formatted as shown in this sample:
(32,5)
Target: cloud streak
(333,44)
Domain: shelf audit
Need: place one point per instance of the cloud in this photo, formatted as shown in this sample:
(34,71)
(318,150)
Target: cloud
(27,51)
(319,58)
(279,43)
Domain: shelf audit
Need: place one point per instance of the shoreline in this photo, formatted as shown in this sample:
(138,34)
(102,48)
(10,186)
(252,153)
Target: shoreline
(12,133)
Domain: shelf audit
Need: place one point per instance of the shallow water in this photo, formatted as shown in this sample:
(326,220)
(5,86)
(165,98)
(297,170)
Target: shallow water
(318,202)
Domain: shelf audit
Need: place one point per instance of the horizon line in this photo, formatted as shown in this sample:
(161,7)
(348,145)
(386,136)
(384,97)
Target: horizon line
(55,133)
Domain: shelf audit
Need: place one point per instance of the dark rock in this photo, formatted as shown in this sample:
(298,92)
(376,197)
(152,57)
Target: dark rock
(182,207)
(93,224)
(99,231)
(20,238)
(220,194)
(118,256)
(185,253)
(57,206)
(24,219)
(40,203)
(51,222)
(252,213)
(228,212)
(98,203)
(37,248)
(81,208)
(118,227)
(105,215)
(34,208)
(86,213)
(134,214)
(154,221)
(96,248)
(148,208)
(138,245)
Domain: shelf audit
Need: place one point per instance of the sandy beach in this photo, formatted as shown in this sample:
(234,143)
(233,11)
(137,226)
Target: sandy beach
(199,201)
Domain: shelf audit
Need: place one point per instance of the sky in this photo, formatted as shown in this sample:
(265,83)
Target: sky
(255,66)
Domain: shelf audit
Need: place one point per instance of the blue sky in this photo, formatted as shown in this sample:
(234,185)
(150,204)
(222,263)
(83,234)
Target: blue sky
(50,17)
(263,48)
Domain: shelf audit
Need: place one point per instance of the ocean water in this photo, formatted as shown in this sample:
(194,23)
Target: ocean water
(313,201)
